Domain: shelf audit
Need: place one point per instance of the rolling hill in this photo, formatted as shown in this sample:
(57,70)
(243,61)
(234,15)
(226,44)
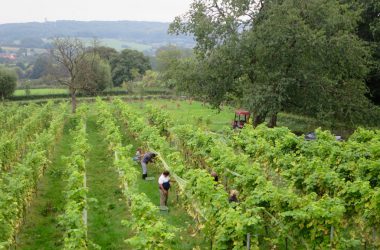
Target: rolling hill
(119,34)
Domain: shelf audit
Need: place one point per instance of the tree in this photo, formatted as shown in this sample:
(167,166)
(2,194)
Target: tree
(8,81)
(122,66)
(135,74)
(99,71)
(106,53)
(294,68)
(77,68)
(369,30)
(21,65)
(168,59)
(22,52)
(40,67)
(32,42)
(150,78)
(290,55)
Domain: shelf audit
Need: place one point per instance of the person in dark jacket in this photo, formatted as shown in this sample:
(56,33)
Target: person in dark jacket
(147,158)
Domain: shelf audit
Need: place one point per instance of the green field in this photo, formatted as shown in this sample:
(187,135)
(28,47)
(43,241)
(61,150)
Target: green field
(120,44)
(22,92)
(204,116)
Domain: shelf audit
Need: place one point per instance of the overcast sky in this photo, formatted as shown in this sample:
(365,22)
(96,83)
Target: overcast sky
(15,11)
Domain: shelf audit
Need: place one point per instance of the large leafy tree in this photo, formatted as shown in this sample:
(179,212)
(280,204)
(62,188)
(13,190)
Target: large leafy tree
(168,59)
(41,67)
(8,81)
(99,71)
(289,55)
(105,53)
(125,64)
(308,60)
(369,30)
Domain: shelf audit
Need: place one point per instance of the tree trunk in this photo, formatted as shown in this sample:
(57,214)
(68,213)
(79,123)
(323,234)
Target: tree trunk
(258,120)
(273,121)
(73,101)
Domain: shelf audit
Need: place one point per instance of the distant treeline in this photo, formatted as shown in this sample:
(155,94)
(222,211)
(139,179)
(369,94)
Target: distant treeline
(133,31)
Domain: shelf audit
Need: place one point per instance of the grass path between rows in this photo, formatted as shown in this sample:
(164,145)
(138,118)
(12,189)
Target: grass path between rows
(41,230)
(106,213)
(177,215)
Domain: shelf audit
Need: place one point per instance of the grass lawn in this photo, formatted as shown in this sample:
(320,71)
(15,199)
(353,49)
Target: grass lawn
(182,112)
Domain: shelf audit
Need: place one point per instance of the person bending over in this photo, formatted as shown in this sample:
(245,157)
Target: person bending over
(138,155)
(164,186)
(147,158)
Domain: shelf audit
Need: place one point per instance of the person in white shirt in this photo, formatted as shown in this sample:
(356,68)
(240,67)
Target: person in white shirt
(164,186)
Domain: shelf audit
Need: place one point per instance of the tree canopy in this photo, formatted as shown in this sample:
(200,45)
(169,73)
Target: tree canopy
(369,30)
(168,59)
(40,67)
(126,64)
(299,56)
(8,82)
(105,53)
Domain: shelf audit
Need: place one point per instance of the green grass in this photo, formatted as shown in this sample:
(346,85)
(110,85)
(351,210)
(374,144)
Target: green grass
(40,229)
(21,92)
(119,44)
(137,46)
(182,112)
(105,215)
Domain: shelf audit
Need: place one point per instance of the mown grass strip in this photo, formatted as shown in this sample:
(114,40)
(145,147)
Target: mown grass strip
(106,213)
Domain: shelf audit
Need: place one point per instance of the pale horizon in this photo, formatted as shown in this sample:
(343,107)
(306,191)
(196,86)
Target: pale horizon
(23,11)
(126,20)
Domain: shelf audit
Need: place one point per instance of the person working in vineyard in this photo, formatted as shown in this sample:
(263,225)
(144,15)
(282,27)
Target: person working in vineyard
(138,155)
(148,157)
(215,176)
(233,196)
(164,186)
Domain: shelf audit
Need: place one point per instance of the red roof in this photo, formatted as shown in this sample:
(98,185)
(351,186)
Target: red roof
(8,56)
(242,112)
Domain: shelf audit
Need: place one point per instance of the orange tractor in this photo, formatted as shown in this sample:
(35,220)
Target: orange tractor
(241,118)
